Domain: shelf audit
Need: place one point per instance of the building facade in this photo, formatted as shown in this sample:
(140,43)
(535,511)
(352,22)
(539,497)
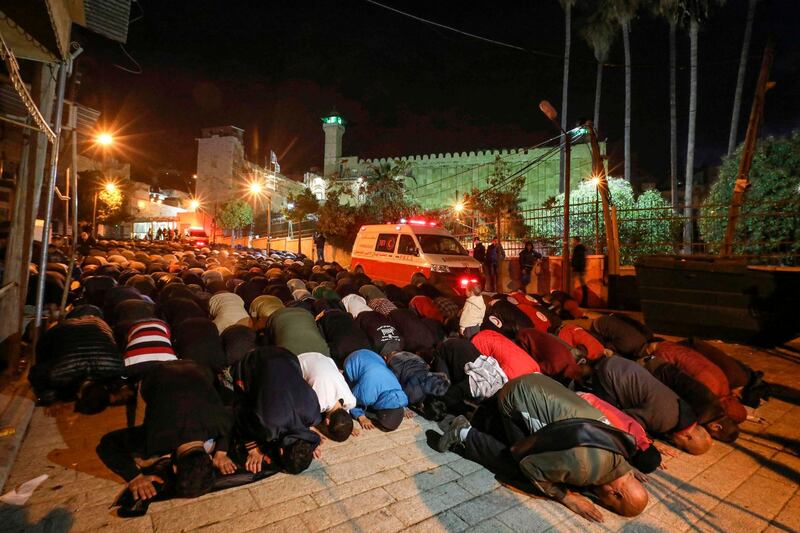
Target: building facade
(436,181)
(224,173)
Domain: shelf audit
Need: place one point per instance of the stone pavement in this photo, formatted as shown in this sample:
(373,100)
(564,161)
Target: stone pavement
(394,481)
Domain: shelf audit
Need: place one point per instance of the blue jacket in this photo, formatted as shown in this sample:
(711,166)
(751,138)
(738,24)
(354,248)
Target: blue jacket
(372,383)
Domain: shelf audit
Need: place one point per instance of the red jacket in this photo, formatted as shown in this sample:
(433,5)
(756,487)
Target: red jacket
(700,368)
(553,355)
(694,364)
(539,319)
(619,419)
(426,308)
(512,359)
(578,337)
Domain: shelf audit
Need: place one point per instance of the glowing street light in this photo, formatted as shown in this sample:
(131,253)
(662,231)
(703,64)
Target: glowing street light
(255,188)
(105,139)
(110,187)
(290,205)
(459,207)
(595,181)
(194,205)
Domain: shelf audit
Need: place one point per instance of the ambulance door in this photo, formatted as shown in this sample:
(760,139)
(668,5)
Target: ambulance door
(409,256)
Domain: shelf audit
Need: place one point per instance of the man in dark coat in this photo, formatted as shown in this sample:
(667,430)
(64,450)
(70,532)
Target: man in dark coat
(558,443)
(198,339)
(184,418)
(342,334)
(416,378)
(626,336)
(383,336)
(450,357)
(578,264)
(655,406)
(275,410)
(417,336)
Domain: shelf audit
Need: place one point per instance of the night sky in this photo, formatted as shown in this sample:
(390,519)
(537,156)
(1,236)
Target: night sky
(404,87)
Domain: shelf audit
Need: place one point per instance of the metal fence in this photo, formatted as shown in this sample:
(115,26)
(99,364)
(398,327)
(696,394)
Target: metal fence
(767,232)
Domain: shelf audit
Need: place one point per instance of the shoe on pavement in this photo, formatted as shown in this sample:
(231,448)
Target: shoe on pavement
(451,435)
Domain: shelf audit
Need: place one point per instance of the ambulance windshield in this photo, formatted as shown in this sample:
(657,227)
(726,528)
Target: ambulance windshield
(440,244)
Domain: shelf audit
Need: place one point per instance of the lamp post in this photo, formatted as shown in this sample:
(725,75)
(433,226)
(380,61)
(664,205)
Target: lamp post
(596,183)
(109,187)
(104,140)
(255,192)
(550,112)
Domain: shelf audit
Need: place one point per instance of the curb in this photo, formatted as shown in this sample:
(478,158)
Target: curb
(16,410)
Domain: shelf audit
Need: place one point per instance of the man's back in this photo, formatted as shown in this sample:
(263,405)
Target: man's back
(536,400)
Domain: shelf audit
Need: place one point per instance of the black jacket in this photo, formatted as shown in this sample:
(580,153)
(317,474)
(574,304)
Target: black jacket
(342,334)
(198,339)
(274,403)
(182,406)
(383,336)
(578,259)
(479,252)
(416,335)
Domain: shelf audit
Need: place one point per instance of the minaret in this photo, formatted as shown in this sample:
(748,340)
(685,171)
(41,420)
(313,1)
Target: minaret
(333,126)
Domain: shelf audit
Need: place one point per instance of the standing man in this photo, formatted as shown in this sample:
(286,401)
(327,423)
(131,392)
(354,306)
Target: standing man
(578,264)
(478,250)
(527,261)
(494,255)
(319,242)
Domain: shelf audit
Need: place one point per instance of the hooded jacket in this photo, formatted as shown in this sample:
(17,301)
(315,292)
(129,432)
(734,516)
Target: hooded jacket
(513,359)
(372,383)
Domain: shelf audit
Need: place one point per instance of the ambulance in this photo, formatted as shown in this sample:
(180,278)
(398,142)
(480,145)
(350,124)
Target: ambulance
(395,252)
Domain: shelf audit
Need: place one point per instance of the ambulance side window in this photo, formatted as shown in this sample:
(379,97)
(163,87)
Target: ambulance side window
(407,246)
(386,242)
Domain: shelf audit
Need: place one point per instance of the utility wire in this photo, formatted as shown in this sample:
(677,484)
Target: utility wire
(539,52)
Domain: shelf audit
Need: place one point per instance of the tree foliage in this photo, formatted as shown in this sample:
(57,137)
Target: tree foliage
(499,204)
(304,204)
(381,197)
(646,224)
(770,218)
(235,215)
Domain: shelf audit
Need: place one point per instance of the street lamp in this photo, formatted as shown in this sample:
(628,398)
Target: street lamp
(194,204)
(550,112)
(105,139)
(459,207)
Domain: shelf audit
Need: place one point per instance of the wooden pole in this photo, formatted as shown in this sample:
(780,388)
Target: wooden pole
(749,148)
(599,171)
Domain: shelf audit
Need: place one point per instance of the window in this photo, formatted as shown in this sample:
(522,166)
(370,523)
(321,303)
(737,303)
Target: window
(441,244)
(407,246)
(386,242)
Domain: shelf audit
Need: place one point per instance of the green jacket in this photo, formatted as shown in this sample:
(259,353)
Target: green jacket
(533,401)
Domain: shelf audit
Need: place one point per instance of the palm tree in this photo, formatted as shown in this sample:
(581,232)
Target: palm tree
(694,28)
(567,6)
(671,11)
(599,35)
(623,11)
(737,98)
(696,11)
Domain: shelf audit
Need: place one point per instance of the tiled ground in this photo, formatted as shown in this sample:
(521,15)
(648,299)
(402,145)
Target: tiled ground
(394,481)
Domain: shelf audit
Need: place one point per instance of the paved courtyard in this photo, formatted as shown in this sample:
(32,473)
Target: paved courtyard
(395,481)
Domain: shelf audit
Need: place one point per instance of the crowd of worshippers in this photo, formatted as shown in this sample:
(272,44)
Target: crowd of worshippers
(246,363)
